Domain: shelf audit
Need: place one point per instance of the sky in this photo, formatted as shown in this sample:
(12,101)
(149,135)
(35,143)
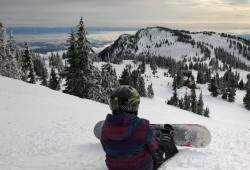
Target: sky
(191,14)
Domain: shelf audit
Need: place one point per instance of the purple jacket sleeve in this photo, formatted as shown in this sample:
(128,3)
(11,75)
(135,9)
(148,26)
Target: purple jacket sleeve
(152,143)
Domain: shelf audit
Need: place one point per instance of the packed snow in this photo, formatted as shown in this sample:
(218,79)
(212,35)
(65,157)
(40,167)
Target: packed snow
(45,129)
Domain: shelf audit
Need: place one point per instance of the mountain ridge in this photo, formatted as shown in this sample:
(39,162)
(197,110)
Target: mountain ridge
(164,42)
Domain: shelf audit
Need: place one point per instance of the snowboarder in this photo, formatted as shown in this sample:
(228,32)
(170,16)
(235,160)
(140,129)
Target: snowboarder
(127,140)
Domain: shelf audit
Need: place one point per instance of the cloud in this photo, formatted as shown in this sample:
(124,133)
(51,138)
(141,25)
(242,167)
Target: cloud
(137,13)
(236,2)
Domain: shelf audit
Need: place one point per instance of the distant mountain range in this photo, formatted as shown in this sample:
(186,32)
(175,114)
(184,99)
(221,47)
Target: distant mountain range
(52,39)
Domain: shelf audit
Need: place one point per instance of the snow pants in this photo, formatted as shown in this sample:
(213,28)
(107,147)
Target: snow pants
(165,151)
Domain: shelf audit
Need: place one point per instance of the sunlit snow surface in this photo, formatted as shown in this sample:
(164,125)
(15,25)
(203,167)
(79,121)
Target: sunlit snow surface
(45,129)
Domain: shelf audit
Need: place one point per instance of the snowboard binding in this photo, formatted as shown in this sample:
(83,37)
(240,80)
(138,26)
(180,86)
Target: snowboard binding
(167,133)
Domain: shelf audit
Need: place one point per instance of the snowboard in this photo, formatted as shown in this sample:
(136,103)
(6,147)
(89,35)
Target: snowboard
(189,135)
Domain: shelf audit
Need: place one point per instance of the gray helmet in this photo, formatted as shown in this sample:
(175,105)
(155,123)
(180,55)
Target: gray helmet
(124,99)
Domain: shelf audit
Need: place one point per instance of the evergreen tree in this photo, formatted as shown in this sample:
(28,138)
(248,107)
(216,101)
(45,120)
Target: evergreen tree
(82,78)
(212,87)
(125,77)
(179,79)
(153,66)
(8,63)
(40,67)
(200,105)
(174,99)
(2,47)
(241,85)
(27,65)
(206,112)
(56,62)
(44,81)
(135,79)
(194,107)
(246,99)
(231,94)
(53,81)
(186,101)
(143,66)
(181,103)
(141,88)
(109,79)
(150,91)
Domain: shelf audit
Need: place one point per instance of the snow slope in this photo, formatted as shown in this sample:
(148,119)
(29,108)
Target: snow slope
(45,129)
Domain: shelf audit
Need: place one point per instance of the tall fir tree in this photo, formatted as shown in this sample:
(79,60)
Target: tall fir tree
(135,79)
(213,88)
(206,112)
(2,45)
(241,85)
(82,78)
(8,63)
(44,81)
(125,77)
(246,99)
(54,81)
(141,88)
(27,65)
(200,105)
(194,107)
(179,79)
(174,100)
(186,101)
(150,91)
(153,66)
(231,94)
(109,79)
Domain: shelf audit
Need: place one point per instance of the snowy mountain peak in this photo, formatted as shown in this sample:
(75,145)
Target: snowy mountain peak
(164,42)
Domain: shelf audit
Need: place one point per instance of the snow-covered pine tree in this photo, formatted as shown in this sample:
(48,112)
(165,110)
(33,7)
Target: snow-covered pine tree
(200,105)
(231,94)
(181,103)
(241,85)
(44,81)
(212,87)
(186,101)
(143,66)
(150,91)
(109,79)
(11,44)
(174,100)
(82,78)
(125,78)
(54,81)
(194,105)
(153,66)
(179,79)
(246,99)
(135,79)
(27,65)
(2,48)
(141,87)
(9,63)
(70,66)
(56,62)
(206,112)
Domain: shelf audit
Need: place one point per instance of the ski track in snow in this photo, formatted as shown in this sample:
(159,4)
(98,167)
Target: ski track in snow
(44,129)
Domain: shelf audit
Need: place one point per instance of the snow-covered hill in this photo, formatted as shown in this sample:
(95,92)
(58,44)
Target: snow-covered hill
(164,42)
(45,129)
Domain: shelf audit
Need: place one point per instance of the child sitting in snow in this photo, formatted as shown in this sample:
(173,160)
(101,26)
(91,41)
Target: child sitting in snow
(128,141)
